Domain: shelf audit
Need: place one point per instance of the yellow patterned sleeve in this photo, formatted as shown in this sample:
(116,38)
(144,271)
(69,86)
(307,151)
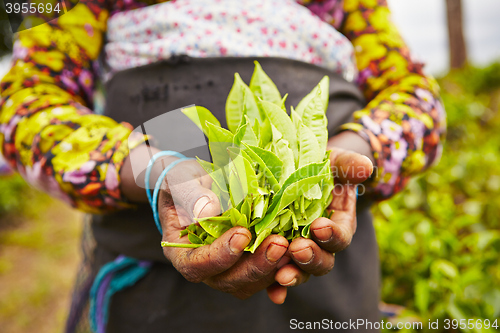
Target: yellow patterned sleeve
(404,120)
(48,131)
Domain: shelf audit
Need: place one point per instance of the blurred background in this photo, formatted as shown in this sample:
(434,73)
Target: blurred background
(439,239)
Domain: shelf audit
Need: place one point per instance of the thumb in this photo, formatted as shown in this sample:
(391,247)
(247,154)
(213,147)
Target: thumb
(350,167)
(189,190)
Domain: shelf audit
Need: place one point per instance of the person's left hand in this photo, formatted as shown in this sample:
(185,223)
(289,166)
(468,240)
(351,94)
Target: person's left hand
(316,256)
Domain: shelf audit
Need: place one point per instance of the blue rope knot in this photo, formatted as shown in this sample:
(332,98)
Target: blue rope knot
(124,271)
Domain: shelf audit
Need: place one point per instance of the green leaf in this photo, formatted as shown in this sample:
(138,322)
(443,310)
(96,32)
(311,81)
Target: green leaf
(445,268)
(315,119)
(306,231)
(266,133)
(194,239)
(422,295)
(295,190)
(215,226)
(219,139)
(324,85)
(240,101)
(309,149)
(290,193)
(260,238)
(323,194)
(242,221)
(220,218)
(251,107)
(314,193)
(200,116)
(260,206)
(207,166)
(246,210)
(216,174)
(245,134)
(295,223)
(455,311)
(286,220)
(263,87)
(265,158)
(283,101)
(312,110)
(283,124)
(245,174)
(296,119)
(285,154)
(314,211)
(306,171)
(236,192)
(192,231)
(235,216)
(210,239)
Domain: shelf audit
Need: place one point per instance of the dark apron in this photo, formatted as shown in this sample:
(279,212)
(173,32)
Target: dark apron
(164,300)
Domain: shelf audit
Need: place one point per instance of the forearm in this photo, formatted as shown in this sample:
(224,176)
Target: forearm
(63,149)
(404,120)
(133,172)
(50,134)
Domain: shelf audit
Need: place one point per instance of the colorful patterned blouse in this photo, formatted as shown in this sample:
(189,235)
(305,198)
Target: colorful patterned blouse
(243,28)
(50,134)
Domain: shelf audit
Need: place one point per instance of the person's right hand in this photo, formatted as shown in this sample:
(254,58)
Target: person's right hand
(222,265)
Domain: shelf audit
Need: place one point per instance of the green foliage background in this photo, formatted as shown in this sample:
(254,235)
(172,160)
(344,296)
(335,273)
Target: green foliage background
(5,32)
(439,239)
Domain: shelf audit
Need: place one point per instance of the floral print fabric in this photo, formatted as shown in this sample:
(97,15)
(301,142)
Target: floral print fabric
(49,133)
(404,120)
(244,28)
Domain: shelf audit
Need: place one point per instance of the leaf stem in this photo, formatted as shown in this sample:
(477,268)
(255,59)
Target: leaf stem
(168,244)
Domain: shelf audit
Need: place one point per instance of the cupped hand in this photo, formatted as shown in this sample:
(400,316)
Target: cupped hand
(276,264)
(316,256)
(222,265)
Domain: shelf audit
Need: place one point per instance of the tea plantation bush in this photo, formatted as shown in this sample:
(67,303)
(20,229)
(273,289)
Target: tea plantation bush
(439,239)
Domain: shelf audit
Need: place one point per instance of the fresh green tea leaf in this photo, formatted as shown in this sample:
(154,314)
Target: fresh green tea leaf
(282,150)
(200,116)
(315,119)
(324,85)
(266,133)
(244,171)
(263,87)
(309,149)
(283,124)
(240,101)
(245,134)
(215,227)
(260,238)
(265,158)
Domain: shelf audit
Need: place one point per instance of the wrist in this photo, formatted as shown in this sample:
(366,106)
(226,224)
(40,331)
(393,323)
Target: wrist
(133,171)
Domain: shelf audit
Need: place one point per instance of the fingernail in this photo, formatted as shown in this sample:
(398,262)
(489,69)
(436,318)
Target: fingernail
(370,162)
(200,205)
(238,242)
(323,234)
(275,252)
(303,256)
(289,284)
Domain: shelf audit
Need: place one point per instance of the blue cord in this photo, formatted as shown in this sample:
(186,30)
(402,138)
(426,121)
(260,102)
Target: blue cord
(153,200)
(157,190)
(150,167)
